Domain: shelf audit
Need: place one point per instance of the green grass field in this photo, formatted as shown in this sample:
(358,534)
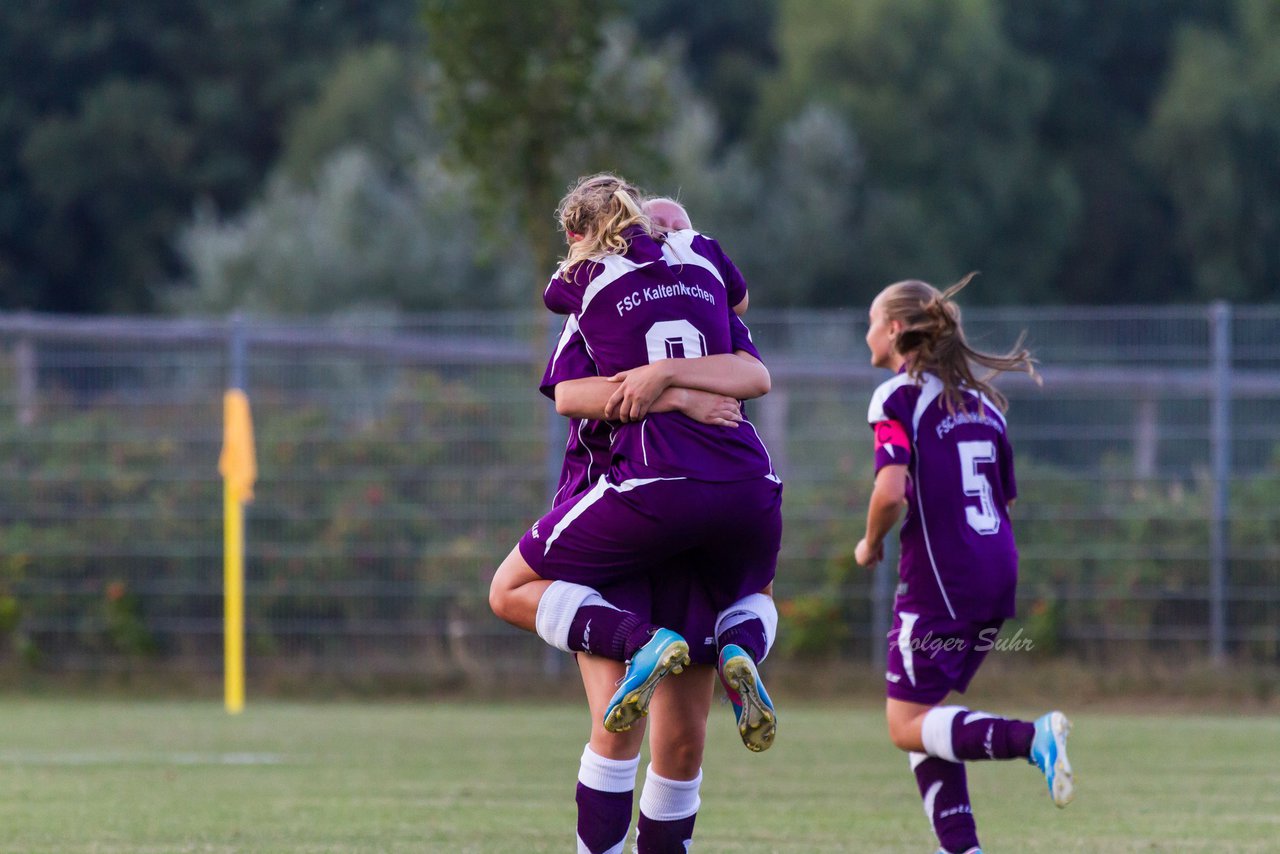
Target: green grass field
(90,776)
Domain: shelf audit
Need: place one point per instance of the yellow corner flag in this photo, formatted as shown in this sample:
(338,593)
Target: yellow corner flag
(238,466)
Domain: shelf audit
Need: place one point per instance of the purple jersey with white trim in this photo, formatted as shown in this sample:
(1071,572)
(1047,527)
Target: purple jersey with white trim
(588,449)
(959,559)
(660,301)
(586,452)
(677,244)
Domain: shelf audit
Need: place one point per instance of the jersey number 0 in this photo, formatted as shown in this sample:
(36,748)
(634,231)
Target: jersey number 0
(674,339)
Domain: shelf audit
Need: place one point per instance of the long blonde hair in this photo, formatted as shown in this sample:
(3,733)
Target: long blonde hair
(599,208)
(933,340)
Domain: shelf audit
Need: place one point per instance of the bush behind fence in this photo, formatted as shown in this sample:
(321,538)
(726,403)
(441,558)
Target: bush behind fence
(400,459)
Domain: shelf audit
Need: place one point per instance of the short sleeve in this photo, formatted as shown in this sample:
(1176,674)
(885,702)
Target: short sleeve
(734,283)
(563,294)
(570,361)
(892,445)
(741,336)
(890,414)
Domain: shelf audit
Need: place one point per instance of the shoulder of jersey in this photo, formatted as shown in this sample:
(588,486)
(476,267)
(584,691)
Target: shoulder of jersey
(886,389)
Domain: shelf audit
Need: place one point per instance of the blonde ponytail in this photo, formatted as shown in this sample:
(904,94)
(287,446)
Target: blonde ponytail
(598,209)
(933,338)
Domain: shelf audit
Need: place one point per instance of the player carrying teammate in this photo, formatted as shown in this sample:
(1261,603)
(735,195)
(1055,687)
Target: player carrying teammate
(678,493)
(942,450)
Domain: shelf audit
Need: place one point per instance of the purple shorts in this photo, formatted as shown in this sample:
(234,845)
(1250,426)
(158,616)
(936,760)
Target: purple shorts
(929,657)
(676,551)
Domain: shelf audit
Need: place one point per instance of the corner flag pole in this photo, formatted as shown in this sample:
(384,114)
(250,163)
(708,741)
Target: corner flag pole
(239,469)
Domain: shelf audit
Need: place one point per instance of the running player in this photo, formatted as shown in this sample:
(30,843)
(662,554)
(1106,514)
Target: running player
(677,491)
(942,450)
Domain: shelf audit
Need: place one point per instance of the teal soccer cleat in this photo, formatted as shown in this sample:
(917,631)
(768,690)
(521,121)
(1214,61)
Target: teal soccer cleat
(1049,754)
(757,720)
(664,654)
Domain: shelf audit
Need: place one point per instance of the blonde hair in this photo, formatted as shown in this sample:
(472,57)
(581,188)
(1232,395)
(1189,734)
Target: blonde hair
(599,208)
(933,339)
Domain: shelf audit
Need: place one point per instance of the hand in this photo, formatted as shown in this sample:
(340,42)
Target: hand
(638,388)
(708,408)
(867,556)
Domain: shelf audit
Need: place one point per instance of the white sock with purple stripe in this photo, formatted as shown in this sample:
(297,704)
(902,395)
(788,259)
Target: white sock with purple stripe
(556,609)
(735,624)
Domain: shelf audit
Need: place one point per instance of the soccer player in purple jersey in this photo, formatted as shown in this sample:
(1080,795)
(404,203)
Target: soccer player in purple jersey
(743,633)
(678,492)
(942,450)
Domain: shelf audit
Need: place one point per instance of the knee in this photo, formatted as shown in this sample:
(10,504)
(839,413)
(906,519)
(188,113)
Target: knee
(500,598)
(902,734)
(682,760)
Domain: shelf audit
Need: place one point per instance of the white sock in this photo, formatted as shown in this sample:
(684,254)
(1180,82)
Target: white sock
(669,800)
(607,775)
(757,606)
(936,731)
(556,609)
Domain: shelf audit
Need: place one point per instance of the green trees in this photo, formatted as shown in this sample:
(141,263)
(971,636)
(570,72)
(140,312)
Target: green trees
(947,111)
(116,117)
(532,95)
(1214,139)
(1072,152)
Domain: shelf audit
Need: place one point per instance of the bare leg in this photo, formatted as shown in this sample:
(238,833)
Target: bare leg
(677,735)
(607,772)
(600,679)
(906,722)
(515,592)
(678,732)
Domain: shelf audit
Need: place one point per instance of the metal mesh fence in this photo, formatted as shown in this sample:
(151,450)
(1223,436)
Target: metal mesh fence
(401,458)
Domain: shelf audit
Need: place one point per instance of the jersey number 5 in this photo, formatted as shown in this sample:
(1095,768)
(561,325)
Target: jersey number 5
(984,519)
(674,339)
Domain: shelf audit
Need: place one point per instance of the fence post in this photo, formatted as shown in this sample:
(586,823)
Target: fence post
(1220,460)
(24,359)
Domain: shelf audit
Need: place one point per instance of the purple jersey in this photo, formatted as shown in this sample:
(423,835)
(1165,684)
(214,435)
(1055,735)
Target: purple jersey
(656,302)
(700,249)
(586,453)
(588,449)
(959,559)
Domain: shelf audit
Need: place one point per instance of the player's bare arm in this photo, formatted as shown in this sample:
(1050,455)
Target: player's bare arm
(587,397)
(888,498)
(739,375)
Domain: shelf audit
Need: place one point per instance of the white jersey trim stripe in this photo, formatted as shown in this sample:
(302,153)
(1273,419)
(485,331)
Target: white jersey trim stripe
(566,335)
(928,394)
(615,267)
(875,412)
(678,249)
(904,644)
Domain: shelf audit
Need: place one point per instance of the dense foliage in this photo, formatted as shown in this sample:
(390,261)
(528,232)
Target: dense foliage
(262,153)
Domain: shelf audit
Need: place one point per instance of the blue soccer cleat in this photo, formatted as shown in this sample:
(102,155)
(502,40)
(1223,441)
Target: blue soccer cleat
(969,851)
(664,654)
(1049,754)
(757,720)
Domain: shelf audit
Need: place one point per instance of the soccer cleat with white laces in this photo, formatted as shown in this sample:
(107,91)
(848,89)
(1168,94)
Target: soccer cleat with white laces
(757,720)
(665,653)
(1049,754)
